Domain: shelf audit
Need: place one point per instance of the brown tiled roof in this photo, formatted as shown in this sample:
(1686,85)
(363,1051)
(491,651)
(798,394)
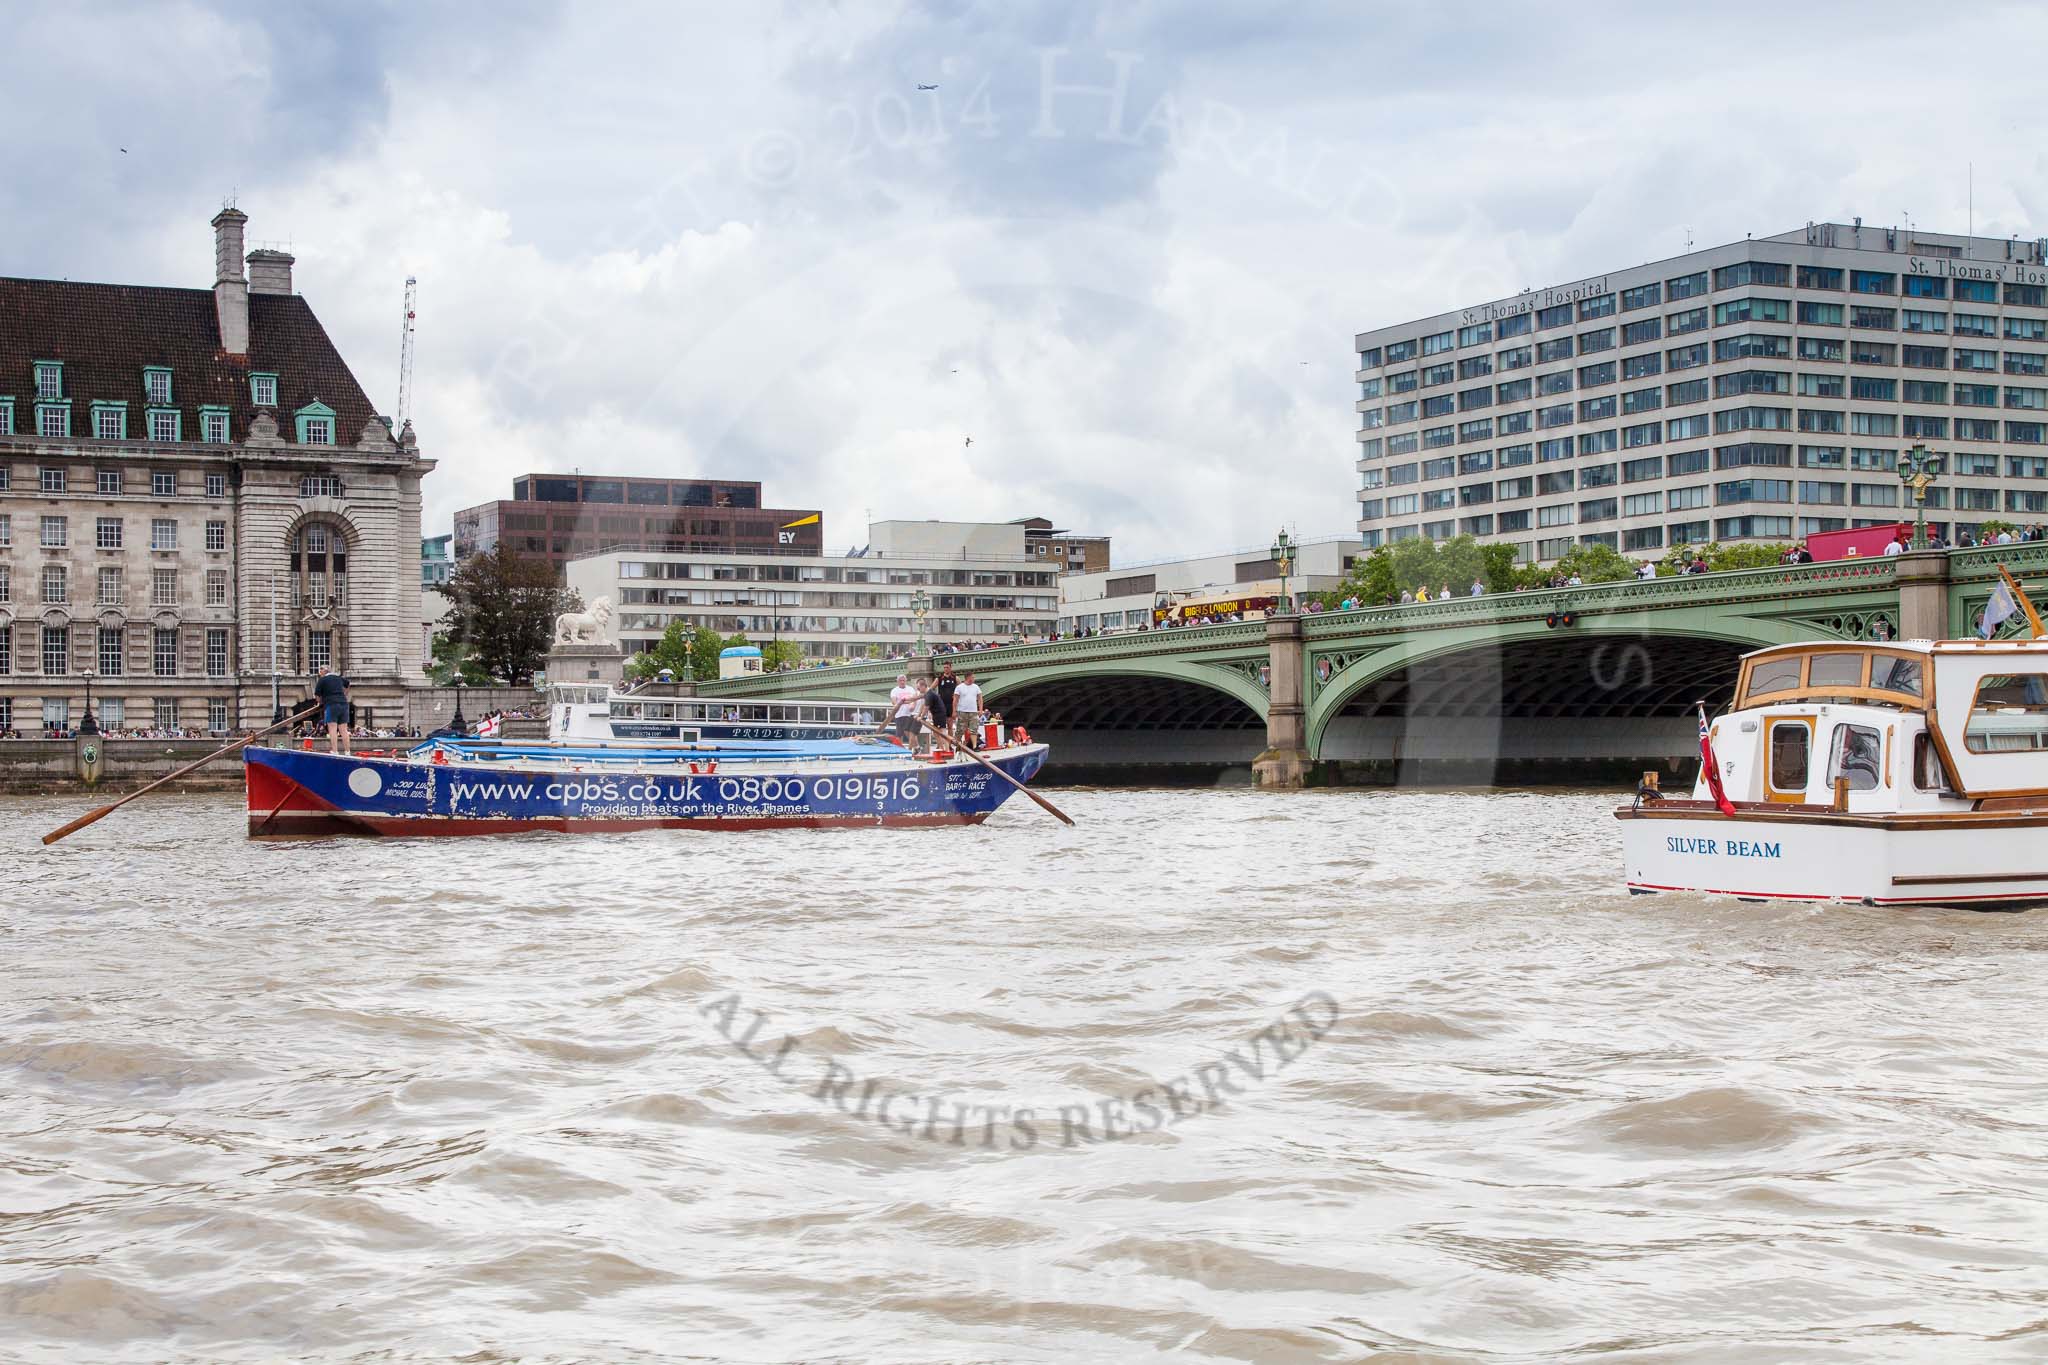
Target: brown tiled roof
(106,333)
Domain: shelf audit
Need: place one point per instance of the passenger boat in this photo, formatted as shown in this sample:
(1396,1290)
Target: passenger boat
(452,787)
(1908,773)
(656,711)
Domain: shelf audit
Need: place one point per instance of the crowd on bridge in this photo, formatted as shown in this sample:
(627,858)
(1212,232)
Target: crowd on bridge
(1681,564)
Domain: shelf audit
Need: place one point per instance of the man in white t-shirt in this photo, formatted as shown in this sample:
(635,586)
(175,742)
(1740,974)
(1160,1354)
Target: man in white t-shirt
(967,710)
(903,703)
(1898,545)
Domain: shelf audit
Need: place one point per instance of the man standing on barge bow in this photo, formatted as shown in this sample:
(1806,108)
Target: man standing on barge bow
(331,691)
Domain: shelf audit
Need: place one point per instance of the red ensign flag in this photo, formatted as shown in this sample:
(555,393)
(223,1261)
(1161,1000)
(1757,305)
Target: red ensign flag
(1711,768)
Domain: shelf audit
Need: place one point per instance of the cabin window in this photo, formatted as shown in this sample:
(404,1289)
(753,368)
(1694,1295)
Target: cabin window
(1790,742)
(1835,670)
(1927,773)
(1895,673)
(2009,714)
(1859,750)
(1775,675)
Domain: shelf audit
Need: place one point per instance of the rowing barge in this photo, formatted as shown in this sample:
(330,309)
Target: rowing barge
(452,788)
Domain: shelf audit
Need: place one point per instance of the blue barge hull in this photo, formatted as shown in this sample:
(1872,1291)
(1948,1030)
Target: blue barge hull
(303,792)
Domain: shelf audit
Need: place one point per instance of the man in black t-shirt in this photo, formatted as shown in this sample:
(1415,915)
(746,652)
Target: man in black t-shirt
(331,691)
(941,699)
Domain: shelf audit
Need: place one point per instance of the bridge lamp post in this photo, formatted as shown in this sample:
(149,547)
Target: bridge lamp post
(87,725)
(920,603)
(1283,557)
(1917,469)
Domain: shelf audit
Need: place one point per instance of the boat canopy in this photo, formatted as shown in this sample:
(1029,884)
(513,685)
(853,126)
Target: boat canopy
(1886,674)
(1986,701)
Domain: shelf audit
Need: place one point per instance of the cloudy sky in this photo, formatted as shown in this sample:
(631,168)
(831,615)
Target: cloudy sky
(1122,247)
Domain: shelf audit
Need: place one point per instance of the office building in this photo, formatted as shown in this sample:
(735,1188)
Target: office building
(560,517)
(1068,551)
(195,493)
(1757,391)
(436,563)
(976,579)
(1239,582)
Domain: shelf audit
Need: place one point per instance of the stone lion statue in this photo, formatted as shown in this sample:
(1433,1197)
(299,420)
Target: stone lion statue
(584,627)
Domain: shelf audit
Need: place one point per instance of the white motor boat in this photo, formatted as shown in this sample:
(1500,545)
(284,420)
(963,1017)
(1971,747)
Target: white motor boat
(656,712)
(1897,773)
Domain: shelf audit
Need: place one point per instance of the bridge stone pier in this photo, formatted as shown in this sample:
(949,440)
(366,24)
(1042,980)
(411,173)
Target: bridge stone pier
(1591,684)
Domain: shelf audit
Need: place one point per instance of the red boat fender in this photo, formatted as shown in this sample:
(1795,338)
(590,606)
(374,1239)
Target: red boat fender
(305,744)
(1020,735)
(710,765)
(693,765)
(440,754)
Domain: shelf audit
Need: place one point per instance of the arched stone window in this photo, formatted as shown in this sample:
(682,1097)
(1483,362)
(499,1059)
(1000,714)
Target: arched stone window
(317,565)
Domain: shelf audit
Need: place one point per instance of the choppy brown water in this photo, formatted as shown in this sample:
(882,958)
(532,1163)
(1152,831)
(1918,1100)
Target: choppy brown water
(426,1100)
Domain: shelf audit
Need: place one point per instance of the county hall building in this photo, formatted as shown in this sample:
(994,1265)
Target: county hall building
(1757,391)
(195,495)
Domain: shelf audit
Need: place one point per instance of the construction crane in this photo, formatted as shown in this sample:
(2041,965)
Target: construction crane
(412,293)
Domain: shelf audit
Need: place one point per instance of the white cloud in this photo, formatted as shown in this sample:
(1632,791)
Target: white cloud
(737,241)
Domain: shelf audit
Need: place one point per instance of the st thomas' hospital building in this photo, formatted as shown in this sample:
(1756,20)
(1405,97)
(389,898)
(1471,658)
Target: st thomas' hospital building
(172,463)
(1757,391)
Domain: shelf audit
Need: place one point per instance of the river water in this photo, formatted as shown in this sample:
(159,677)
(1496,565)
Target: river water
(1215,1076)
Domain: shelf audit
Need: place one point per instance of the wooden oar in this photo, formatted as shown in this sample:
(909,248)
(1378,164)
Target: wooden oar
(103,812)
(963,749)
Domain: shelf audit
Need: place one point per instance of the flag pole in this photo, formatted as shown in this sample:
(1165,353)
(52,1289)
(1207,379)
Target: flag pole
(2026,605)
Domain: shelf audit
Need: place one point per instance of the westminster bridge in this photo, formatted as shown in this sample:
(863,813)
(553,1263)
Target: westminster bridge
(1593,681)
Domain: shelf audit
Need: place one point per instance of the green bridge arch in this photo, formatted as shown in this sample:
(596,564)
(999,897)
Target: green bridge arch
(1359,672)
(1697,623)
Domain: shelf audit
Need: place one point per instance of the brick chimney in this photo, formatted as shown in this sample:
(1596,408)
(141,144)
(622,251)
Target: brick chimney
(270,272)
(230,290)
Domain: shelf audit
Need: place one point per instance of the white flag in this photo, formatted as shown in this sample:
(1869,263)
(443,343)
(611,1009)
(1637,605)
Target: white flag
(1999,609)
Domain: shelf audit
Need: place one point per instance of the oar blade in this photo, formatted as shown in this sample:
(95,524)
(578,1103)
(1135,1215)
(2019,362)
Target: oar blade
(76,825)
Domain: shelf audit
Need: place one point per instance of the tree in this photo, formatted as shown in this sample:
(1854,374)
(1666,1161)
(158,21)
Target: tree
(671,651)
(451,660)
(1721,558)
(1370,582)
(779,654)
(704,646)
(503,608)
(1994,527)
(1595,564)
(1502,574)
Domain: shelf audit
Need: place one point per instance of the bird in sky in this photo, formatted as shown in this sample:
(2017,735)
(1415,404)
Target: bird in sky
(124,151)
(970,441)
(928,87)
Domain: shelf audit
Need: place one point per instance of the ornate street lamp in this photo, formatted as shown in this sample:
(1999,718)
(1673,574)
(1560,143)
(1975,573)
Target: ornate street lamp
(461,725)
(1917,469)
(1283,558)
(87,725)
(920,603)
